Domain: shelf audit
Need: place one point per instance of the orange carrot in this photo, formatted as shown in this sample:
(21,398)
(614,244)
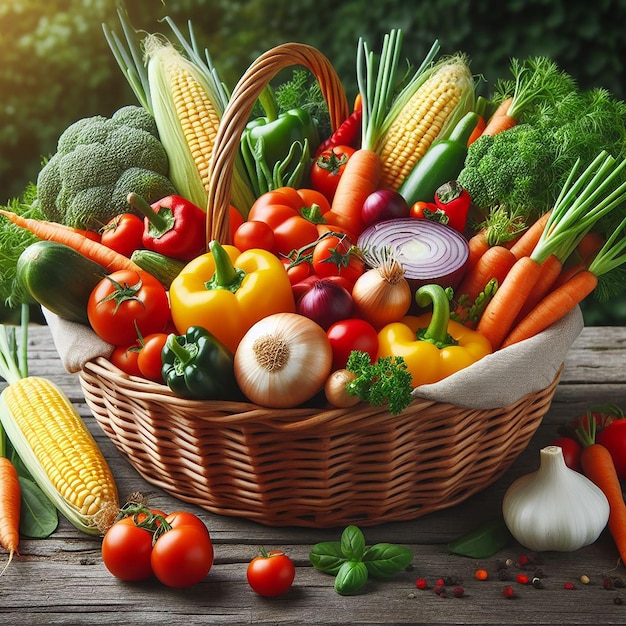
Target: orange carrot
(494,263)
(589,245)
(526,243)
(359,179)
(501,119)
(478,245)
(554,306)
(551,268)
(478,130)
(109,259)
(10,503)
(597,464)
(498,317)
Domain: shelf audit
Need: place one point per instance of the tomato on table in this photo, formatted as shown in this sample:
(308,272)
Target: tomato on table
(127,302)
(183,556)
(328,168)
(292,214)
(126,551)
(271,573)
(351,334)
(336,255)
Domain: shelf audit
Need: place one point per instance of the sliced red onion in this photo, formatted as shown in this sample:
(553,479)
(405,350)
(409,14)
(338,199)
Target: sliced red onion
(428,251)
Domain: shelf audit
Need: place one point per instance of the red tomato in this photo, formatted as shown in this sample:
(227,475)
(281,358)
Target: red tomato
(184,518)
(296,272)
(571,452)
(126,551)
(328,168)
(235,219)
(254,234)
(613,438)
(271,574)
(427,210)
(351,334)
(125,358)
(292,215)
(149,359)
(124,299)
(182,556)
(123,233)
(337,256)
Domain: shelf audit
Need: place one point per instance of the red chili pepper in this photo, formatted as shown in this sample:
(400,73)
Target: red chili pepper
(452,198)
(173,226)
(347,134)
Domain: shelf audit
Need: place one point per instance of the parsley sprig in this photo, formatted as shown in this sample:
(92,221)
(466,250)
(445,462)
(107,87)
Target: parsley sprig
(386,381)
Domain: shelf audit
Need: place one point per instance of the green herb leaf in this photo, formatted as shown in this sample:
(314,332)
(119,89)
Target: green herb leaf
(484,541)
(352,543)
(327,557)
(383,560)
(38,516)
(352,575)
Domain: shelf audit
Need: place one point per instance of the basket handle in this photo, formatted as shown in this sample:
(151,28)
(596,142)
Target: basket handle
(237,114)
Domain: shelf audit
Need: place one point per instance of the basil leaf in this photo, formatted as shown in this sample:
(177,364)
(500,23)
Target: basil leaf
(38,516)
(383,560)
(327,557)
(352,543)
(484,541)
(352,575)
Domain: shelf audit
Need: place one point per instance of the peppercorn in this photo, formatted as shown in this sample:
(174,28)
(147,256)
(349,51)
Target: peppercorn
(523,560)
(421,583)
(618,583)
(508,592)
(537,584)
(584,579)
(458,591)
(617,600)
(440,590)
(522,579)
(607,583)
(481,574)
(503,574)
(569,586)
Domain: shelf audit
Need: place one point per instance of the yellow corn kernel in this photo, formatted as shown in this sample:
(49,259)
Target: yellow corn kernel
(187,117)
(421,120)
(59,451)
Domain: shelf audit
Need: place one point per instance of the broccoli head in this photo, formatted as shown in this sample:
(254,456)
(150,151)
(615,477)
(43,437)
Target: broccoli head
(98,162)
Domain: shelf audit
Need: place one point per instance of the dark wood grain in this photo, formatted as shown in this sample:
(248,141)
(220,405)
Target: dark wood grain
(61,580)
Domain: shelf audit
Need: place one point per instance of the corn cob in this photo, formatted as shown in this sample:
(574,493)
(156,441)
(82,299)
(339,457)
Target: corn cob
(58,450)
(445,93)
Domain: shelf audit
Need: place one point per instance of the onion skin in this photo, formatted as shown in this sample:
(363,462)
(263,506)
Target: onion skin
(383,204)
(429,252)
(335,389)
(326,302)
(283,360)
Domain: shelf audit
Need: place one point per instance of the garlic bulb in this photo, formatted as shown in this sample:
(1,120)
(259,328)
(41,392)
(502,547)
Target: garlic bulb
(555,507)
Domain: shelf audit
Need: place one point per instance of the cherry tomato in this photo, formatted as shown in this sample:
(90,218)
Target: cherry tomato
(328,168)
(428,210)
(127,550)
(123,233)
(351,334)
(125,302)
(149,358)
(182,556)
(254,234)
(571,452)
(296,272)
(337,256)
(125,358)
(271,574)
(613,438)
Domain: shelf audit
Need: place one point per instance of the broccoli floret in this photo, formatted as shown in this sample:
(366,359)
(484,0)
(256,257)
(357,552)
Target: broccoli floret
(511,168)
(98,162)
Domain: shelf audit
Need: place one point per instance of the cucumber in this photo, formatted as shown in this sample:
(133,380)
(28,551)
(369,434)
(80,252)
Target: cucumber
(59,278)
(163,268)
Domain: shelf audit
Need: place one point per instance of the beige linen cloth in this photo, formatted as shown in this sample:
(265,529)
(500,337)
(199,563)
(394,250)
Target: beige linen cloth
(497,380)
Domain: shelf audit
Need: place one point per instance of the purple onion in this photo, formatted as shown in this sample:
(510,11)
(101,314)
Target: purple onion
(383,204)
(326,302)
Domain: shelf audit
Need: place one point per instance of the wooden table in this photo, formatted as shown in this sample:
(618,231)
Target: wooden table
(61,580)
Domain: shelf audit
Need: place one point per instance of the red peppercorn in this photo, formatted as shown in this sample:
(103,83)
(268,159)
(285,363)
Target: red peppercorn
(440,581)
(607,583)
(481,574)
(523,560)
(421,583)
(522,579)
(440,590)
(569,585)
(508,592)
(458,591)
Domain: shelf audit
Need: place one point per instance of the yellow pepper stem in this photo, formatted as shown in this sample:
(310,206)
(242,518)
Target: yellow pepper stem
(437,330)
(226,275)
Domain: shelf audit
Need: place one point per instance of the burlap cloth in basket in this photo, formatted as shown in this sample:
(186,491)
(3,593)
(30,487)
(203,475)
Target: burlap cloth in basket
(497,380)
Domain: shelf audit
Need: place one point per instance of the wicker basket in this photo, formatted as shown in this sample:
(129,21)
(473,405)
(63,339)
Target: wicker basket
(307,467)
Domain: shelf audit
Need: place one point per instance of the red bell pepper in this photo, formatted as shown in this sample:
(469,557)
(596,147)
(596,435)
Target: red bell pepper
(455,201)
(173,226)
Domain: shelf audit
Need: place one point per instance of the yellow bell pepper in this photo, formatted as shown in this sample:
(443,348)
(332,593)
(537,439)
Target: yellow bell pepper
(432,345)
(226,291)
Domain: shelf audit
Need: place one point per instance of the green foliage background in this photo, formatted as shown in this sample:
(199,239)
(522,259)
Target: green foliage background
(56,66)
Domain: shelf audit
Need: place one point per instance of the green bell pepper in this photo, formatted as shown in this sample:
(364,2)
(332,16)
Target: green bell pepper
(197,365)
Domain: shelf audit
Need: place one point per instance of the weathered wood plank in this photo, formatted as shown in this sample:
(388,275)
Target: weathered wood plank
(61,580)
